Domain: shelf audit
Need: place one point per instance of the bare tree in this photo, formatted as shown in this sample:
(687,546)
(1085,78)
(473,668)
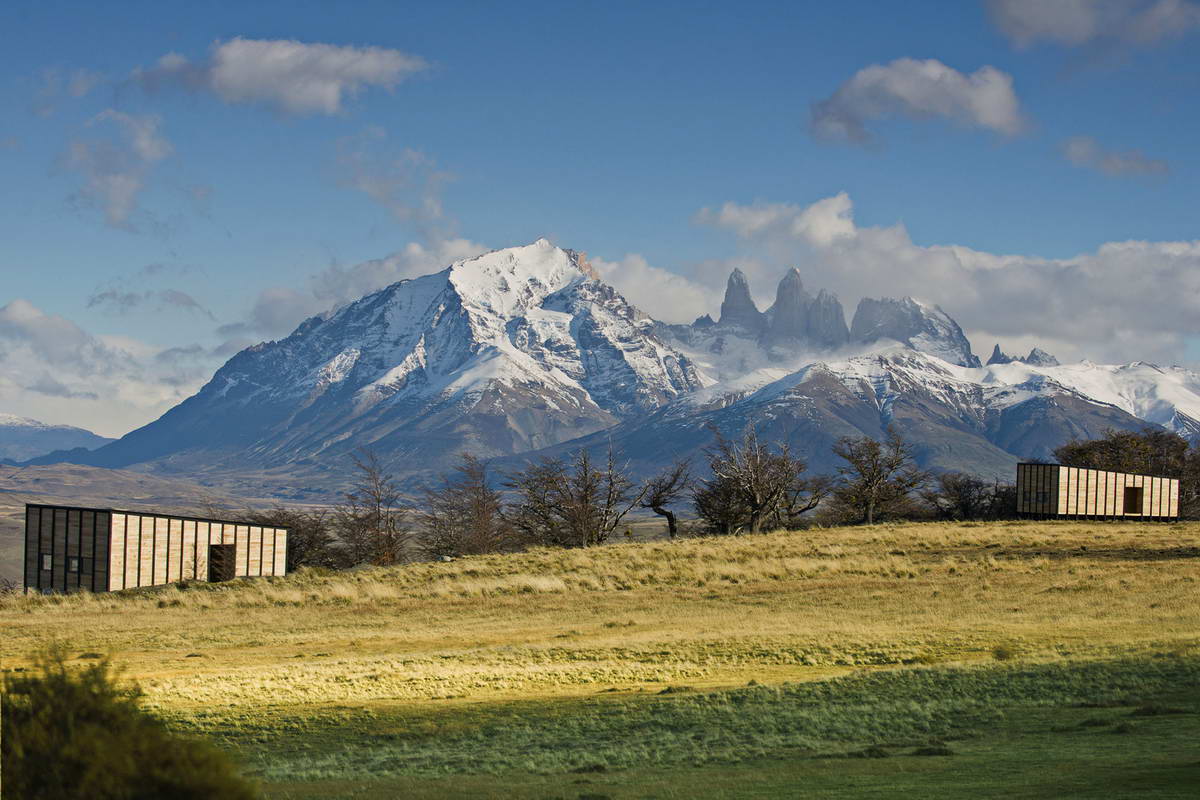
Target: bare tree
(719,506)
(956,495)
(571,504)
(372,520)
(752,485)
(878,476)
(802,496)
(464,516)
(311,541)
(665,489)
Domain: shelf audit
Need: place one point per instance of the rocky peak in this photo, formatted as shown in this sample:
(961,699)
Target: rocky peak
(923,327)
(738,307)
(999,356)
(789,315)
(1037,358)
(1040,358)
(826,325)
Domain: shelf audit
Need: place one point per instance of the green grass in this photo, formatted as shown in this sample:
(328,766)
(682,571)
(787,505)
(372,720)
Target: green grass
(744,667)
(1042,729)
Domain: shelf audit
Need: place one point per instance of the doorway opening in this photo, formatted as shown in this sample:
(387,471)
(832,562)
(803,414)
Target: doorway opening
(1133,499)
(221,562)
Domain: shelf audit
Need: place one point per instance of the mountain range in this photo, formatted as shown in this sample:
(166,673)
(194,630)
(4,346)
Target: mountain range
(22,438)
(525,351)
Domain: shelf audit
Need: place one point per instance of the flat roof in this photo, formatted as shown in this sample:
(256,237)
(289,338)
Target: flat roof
(1095,469)
(184,517)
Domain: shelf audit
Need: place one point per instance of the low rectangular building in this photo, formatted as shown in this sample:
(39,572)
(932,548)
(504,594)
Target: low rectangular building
(70,549)
(1052,490)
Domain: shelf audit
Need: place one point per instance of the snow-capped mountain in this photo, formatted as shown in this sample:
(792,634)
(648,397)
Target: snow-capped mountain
(977,419)
(914,324)
(1037,357)
(799,326)
(524,351)
(507,352)
(22,438)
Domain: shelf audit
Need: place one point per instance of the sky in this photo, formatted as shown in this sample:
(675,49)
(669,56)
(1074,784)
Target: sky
(182,180)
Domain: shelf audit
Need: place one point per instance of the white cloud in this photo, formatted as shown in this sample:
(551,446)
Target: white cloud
(53,370)
(664,295)
(823,222)
(1124,301)
(405,182)
(1079,22)
(115,170)
(289,76)
(1084,151)
(917,89)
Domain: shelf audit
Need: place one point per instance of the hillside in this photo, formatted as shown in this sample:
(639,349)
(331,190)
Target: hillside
(611,661)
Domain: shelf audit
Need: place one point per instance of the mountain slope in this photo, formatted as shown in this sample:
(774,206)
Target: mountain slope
(957,418)
(513,350)
(22,439)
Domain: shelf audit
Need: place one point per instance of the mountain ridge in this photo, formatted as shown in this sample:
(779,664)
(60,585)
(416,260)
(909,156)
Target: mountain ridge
(525,351)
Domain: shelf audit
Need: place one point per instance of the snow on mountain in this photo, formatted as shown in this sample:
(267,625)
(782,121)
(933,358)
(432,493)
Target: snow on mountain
(917,325)
(1037,357)
(505,352)
(22,438)
(13,421)
(980,420)
(1167,396)
(524,350)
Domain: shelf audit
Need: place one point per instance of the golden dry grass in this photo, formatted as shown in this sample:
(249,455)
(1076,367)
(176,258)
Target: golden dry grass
(628,617)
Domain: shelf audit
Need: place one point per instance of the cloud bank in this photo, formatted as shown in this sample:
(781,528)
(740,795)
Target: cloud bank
(917,89)
(285,75)
(51,369)
(1124,301)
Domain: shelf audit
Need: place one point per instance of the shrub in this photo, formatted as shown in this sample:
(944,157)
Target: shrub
(77,732)
(1004,652)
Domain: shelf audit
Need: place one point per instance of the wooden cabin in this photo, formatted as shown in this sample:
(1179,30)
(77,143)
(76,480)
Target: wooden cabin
(1052,490)
(70,549)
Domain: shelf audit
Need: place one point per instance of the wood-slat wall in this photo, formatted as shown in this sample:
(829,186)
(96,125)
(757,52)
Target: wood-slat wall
(151,550)
(1055,490)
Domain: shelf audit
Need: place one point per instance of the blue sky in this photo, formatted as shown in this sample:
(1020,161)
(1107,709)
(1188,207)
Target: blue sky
(606,127)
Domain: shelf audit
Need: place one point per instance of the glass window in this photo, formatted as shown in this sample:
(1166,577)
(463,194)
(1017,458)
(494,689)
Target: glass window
(47,561)
(73,564)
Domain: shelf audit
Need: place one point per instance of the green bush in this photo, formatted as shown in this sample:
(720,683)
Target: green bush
(77,732)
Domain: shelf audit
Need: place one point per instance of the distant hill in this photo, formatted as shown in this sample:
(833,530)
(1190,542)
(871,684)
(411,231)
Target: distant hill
(22,439)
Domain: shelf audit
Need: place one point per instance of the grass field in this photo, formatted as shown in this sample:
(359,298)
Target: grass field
(1008,659)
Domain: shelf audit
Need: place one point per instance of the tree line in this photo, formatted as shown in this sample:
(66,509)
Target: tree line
(747,485)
